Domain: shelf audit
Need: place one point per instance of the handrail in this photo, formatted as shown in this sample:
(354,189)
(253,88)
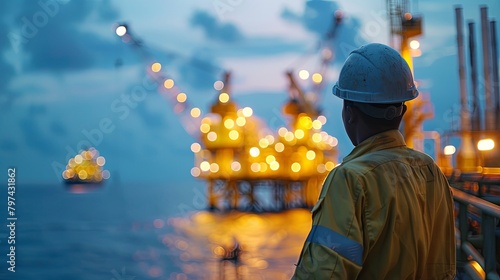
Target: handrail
(477,266)
(481,204)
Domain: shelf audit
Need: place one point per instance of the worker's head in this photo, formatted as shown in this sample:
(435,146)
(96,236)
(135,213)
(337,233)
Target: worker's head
(374,82)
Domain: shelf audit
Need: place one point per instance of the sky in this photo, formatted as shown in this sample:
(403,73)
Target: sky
(67,80)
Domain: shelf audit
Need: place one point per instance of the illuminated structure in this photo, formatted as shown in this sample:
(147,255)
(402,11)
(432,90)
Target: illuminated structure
(477,153)
(237,154)
(85,167)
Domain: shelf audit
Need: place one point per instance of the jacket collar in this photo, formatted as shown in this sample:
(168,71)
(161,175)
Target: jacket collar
(381,141)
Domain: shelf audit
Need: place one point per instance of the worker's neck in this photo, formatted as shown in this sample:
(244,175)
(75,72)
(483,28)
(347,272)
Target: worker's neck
(364,132)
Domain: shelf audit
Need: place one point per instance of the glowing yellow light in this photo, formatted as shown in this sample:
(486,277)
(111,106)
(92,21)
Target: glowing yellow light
(72,162)
(100,161)
(78,159)
(233,135)
(247,112)
(156,67)
(310,155)
(295,167)
(204,166)
(279,147)
(181,97)
(263,142)
(414,44)
(482,145)
(274,165)
(235,166)
(270,158)
(212,136)
(321,168)
(195,147)
(169,83)
(449,150)
(121,30)
(254,152)
(214,167)
(289,136)
(299,133)
(329,165)
(255,167)
(282,131)
(304,74)
(218,85)
(229,123)
(322,119)
(263,167)
(82,174)
(316,124)
(479,269)
(205,127)
(270,139)
(65,174)
(241,121)
(195,172)
(317,78)
(305,122)
(223,97)
(206,120)
(70,173)
(195,112)
(316,138)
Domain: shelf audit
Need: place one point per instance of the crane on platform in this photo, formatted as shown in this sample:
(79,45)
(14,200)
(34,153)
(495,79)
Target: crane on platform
(403,27)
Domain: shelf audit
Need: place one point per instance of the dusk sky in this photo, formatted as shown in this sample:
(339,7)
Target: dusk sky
(64,73)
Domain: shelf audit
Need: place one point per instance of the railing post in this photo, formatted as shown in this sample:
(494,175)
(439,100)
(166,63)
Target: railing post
(488,229)
(463,225)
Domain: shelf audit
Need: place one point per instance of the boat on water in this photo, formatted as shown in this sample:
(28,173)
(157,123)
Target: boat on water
(86,168)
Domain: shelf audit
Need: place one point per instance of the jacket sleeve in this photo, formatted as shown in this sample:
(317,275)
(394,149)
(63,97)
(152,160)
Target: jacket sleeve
(334,246)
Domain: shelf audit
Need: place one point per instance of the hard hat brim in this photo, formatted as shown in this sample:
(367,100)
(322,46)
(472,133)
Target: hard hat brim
(373,97)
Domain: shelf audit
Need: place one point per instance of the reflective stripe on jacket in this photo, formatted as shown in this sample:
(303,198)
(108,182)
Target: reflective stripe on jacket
(385,213)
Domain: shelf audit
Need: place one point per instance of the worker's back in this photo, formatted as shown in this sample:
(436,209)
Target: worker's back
(408,211)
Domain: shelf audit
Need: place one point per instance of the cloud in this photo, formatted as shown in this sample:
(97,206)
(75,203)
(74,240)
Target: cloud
(199,71)
(319,19)
(48,33)
(34,136)
(213,29)
(6,70)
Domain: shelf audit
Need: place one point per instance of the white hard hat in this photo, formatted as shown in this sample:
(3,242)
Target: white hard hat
(375,73)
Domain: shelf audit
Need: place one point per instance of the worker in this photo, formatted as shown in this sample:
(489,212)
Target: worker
(386,212)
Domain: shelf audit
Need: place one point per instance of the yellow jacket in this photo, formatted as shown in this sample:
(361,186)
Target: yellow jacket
(385,213)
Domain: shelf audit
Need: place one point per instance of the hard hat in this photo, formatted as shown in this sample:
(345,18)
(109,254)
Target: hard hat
(375,73)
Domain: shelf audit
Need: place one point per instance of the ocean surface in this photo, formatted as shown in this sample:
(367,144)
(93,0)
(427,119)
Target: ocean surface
(153,231)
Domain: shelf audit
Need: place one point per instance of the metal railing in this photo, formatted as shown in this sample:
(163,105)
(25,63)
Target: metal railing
(477,265)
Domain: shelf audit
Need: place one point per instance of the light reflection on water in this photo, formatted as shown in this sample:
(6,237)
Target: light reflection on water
(270,243)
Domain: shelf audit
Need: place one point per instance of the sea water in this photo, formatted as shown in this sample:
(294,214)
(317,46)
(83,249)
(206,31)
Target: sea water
(143,231)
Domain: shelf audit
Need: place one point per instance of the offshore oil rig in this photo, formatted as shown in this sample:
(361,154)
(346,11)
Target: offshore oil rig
(245,164)
(237,155)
